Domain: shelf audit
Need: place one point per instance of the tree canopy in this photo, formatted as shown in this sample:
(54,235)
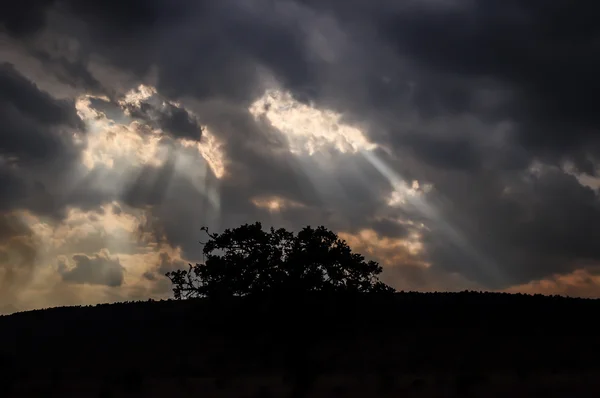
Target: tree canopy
(249,260)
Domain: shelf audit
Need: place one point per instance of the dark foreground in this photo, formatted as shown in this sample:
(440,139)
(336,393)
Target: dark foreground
(411,345)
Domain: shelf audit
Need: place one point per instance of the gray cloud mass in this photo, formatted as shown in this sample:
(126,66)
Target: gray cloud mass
(96,270)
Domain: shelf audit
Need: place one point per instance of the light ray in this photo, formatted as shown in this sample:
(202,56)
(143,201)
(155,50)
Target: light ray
(124,149)
(420,205)
(313,133)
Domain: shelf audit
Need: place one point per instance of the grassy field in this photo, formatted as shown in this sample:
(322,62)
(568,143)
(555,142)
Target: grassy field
(414,345)
(331,385)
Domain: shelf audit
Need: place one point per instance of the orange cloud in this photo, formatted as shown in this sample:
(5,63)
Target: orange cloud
(579,283)
(42,263)
(388,251)
(275,203)
(403,265)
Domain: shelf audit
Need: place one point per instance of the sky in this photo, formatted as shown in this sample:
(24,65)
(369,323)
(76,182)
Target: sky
(454,141)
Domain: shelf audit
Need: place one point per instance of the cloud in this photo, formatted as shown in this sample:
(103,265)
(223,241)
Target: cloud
(34,122)
(88,257)
(274,203)
(166,115)
(579,283)
(403,265)
(25,17)
(18,252)
(468,123)
(516,227)
(100,269)
(42,138)
(388,251)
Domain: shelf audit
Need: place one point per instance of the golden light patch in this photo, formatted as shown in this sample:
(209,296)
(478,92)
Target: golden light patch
(79,224)
(579,283)
(135,97)
(135,141)
(211,150)
(109,141)
(35,262)
(209,146)
(275,203)
(307,128)
(84,110)
(401,193)
(388,251)
(584,179)
(48,290)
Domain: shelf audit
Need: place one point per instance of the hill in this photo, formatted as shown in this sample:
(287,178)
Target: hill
(411,344)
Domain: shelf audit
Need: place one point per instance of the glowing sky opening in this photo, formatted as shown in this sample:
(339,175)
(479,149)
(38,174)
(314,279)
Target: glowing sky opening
(307,128)
(310,131)
(118,147)
(275,204)
(134,144)
(135,97)
(109,139)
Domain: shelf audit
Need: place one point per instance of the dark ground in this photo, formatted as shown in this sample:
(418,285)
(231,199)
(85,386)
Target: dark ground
(410,345)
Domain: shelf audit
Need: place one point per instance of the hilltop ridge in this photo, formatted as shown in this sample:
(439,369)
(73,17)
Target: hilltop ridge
(408,334)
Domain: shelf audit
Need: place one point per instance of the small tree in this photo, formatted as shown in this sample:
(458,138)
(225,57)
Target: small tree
(248,260)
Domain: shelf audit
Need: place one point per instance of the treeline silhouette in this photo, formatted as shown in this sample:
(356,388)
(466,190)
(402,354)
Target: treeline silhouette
(406,333)
(303,308)
(248,260)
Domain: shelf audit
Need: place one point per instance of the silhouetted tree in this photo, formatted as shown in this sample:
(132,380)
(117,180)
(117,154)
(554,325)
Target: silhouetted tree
(248,260)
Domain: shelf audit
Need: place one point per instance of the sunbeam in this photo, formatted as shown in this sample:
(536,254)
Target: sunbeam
(420,205)
(117,153)
(315,134)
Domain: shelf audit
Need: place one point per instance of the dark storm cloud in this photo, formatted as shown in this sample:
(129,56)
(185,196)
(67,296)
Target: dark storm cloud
(467,94)
(445,153)
(33,121)
(451,53)
(155,111)
(216,45)
(532,64)
(99,269)
(544,53)
(71,73)
(517,227)
(170,118)
(37,144)
(12,187)
(178,122)
(23,18)
(11,226)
